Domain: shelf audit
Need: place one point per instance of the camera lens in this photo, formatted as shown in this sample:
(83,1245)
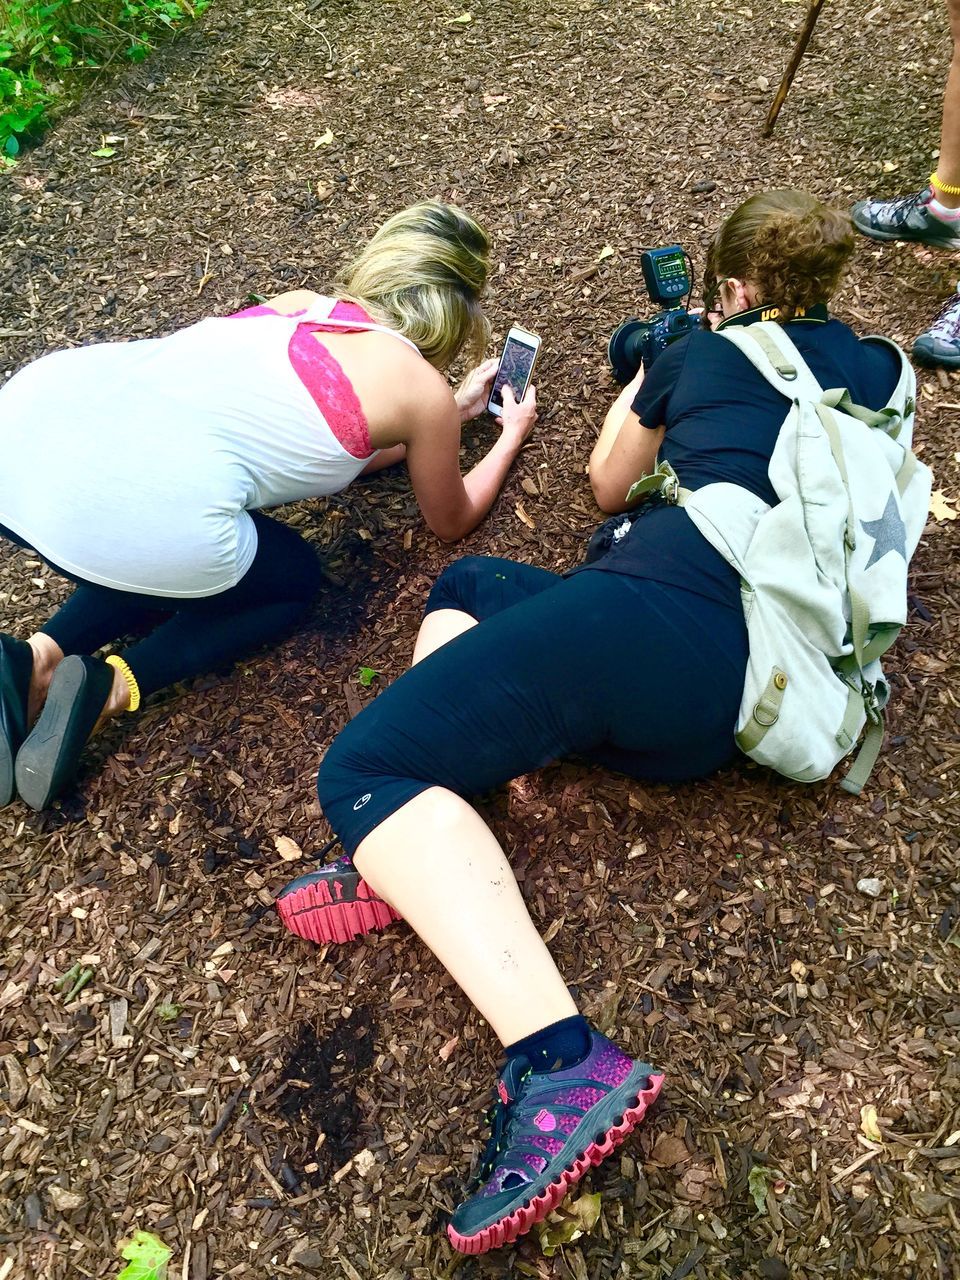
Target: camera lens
(625,349)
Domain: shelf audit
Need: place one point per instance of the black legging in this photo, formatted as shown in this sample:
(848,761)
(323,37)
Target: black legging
(198,634)
(640,677)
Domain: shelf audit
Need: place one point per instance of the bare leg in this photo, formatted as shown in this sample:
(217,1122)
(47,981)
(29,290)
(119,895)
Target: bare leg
(47,656)
(438,864)
(948,167)
(439,627)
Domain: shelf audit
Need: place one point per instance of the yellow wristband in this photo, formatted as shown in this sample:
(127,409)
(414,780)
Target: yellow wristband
(945,187)
(129,677)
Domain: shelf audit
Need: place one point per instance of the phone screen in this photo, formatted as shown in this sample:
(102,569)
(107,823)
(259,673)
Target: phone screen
(516,365)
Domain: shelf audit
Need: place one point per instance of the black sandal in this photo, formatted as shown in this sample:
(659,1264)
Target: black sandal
(16,668)
(48,759)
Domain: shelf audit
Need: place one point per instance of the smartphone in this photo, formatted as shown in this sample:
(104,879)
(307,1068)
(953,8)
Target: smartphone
(516,367)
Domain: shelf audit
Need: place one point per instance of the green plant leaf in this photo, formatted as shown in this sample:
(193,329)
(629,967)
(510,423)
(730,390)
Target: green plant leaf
(568,1223)
(147,1257)
(760,1180)
(104,152)
(367,676)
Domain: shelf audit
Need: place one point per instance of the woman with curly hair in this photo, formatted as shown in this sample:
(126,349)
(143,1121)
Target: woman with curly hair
(140,471)
(635,661)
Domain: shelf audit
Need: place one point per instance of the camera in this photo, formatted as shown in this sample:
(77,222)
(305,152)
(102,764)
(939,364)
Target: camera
(669,285)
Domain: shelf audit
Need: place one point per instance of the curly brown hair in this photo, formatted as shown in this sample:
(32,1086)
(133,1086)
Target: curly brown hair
(788,244)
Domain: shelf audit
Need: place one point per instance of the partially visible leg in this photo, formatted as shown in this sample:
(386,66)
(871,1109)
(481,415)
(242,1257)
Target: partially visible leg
(472,589)
(438,864)
(214,631)
(90,617)
(200,635)
(948,166)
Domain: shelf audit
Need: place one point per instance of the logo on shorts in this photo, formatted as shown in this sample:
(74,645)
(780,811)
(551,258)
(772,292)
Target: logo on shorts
(362,801)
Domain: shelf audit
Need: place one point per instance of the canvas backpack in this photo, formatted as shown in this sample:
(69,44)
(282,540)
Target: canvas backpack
(824,571)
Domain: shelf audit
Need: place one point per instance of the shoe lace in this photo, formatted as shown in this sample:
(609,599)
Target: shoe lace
(511,1122)
(947,321)
(500,1118)
(899,210)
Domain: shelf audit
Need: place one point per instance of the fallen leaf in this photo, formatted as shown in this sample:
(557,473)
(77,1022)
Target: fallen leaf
(448,1048)
(530,487)
(606,252)
(104,152)
(760,1180)
(147,1257)
(288,849)
(940,507)
(461,19)
(324,140)
(569,1223)
(890,166)
(868,1123)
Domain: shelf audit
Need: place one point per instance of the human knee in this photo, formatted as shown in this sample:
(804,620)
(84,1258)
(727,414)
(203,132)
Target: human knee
(456,588)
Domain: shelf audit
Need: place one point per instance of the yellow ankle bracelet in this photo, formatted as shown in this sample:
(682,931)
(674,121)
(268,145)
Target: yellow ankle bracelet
(945,187)
(129,677)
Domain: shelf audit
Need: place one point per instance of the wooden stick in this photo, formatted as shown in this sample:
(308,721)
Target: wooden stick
(813,13)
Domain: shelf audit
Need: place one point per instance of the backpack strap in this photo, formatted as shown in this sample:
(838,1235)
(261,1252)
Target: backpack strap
(774,355)
(663,481)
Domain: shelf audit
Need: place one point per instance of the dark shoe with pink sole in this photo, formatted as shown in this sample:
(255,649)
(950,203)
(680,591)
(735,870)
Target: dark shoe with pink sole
(333,904)
(549,1128)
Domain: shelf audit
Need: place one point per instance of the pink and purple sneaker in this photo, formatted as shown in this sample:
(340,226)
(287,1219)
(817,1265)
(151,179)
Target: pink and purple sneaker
(332,904)
(548,1129)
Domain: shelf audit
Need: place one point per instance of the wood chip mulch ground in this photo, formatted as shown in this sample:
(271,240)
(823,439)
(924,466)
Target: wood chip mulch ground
(787,954)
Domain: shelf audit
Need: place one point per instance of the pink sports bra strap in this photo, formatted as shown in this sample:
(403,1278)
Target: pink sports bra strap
(321,314)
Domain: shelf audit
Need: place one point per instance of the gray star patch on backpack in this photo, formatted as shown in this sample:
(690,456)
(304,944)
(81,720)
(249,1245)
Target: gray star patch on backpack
(824,572)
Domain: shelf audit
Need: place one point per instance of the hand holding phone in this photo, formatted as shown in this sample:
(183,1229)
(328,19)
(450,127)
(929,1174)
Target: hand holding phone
(517,419)
(516,368)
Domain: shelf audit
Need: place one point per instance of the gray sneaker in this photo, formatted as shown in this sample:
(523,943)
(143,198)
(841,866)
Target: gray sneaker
(940,345)
(906,218)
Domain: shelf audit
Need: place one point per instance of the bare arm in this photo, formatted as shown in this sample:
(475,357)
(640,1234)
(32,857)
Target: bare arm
(385,458)
(453,505)
(625,451)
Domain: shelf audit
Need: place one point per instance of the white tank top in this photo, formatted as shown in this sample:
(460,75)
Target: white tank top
(134,465)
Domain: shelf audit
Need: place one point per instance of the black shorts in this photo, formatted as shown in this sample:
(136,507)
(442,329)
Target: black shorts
(643,678)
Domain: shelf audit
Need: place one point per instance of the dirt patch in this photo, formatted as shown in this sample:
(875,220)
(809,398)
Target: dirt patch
(322,1072)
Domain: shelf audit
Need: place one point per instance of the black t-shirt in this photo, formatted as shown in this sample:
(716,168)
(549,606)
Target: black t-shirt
(722,420)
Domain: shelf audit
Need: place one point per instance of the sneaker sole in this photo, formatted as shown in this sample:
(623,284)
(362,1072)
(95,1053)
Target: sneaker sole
(515,1224)
(931,361)
(952,243)
(50,756)
(313,913)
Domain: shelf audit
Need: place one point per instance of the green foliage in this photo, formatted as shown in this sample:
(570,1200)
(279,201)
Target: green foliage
(146,1256)
(46,45)
(366,676)
(759,1181)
